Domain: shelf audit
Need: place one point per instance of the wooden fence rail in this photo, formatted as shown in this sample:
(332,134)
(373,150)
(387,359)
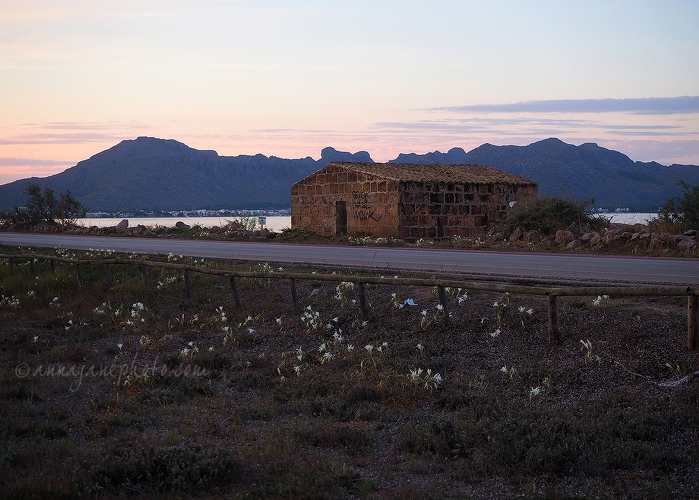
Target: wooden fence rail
(551,292)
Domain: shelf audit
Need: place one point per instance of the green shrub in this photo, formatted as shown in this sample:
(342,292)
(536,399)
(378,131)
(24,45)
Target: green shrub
(548,214)
(681,213)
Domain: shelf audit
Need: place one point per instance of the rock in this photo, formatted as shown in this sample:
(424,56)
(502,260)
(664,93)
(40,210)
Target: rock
(516,234)
(564,237)
(611,237)
(656,241)
(123,225)
(588,236)
(531,235)
(596,239)
(627,235)
(575,229)
(573,245)
(687,243)
(181,225)
(691,232)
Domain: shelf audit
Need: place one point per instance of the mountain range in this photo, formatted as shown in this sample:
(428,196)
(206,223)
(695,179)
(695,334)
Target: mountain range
(153,174)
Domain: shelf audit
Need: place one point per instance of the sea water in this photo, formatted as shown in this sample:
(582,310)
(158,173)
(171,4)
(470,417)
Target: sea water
(279,223)
(272,223)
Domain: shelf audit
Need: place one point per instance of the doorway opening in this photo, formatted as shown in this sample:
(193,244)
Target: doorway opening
(340,218)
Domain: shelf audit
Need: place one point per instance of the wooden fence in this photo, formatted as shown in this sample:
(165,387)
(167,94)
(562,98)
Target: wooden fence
(552,292)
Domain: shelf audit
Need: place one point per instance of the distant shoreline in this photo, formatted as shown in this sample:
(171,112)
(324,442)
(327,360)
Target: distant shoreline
(273,223)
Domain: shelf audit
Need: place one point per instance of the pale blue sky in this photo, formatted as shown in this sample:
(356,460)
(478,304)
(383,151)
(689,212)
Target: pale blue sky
(289,78)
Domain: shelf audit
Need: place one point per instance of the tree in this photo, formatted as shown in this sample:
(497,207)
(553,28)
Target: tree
(45,207)
(684,211)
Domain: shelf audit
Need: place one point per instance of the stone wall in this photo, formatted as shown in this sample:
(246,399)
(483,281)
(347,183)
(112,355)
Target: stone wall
(401,209)
(371,203)
(445,210)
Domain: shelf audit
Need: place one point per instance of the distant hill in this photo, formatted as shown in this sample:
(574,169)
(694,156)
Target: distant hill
(158,174)
(584,172)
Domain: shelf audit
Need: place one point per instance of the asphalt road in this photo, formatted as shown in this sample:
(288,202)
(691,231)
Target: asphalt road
(478,264)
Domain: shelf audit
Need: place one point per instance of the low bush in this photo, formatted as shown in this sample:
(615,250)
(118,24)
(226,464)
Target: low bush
(548,214)
(679,214)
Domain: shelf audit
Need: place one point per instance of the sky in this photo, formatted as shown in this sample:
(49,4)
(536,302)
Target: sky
(288,78)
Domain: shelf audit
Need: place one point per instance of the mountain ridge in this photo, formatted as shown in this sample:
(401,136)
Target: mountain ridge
(148,173)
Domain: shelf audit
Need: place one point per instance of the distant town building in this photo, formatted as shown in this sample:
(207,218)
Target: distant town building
(406,201)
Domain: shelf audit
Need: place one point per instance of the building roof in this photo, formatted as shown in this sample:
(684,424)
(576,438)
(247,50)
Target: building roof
(470,174)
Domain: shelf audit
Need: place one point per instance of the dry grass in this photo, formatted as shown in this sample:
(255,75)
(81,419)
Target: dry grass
(189,404)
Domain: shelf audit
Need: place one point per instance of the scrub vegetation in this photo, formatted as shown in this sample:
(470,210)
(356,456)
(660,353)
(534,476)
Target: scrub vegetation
(134,391)
(548,214)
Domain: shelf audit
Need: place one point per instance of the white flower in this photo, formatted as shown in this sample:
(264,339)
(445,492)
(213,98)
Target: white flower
(496,333)
(424,312)
(503,369)
(440,307)
(369,348)
(535,391)
(521,309)
(279,321)
(350,348)
(530,311)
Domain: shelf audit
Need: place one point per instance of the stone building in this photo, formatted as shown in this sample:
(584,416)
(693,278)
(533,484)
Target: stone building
(406,201)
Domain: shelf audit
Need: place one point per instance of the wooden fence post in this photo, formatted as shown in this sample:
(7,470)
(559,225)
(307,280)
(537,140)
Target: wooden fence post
(445,305)
(80,272)
(553,317)
(144,272)
(692,322)
(32,266)
(109,276)
(294,301)
(363,305)
(187,290)
(234,289)
(53,265)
